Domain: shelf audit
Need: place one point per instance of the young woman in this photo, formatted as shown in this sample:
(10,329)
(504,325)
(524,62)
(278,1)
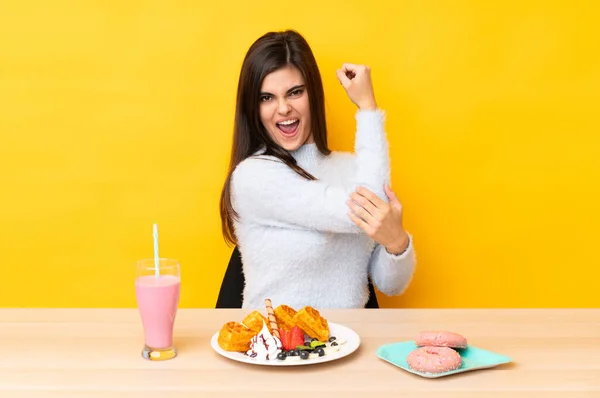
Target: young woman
(312,225)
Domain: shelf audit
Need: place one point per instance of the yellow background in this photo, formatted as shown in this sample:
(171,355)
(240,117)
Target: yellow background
(116,115)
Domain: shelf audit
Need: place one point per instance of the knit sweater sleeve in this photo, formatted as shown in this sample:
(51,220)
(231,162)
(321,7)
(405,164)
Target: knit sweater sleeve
(392,273)
(268,192)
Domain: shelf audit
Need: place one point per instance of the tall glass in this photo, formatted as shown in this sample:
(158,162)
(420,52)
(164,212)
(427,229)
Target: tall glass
(157,298)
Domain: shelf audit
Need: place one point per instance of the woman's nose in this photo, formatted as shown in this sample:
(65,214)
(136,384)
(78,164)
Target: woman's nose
(284,107)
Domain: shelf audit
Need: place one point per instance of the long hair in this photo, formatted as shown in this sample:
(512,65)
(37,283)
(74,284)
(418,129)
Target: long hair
(270,52)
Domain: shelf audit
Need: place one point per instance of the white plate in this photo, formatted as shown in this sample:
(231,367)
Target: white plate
(342,332)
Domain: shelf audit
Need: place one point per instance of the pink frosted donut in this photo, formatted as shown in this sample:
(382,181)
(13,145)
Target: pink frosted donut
(440,339)
(434,359)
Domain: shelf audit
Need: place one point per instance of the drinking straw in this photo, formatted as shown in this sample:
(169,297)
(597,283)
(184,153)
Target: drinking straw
(156,273)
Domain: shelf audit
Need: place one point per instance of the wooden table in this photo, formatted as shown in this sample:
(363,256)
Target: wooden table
(96,353)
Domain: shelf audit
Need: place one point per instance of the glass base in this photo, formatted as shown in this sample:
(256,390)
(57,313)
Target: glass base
(156,354)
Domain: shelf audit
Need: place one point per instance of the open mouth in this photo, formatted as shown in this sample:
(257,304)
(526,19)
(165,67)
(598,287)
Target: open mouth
(289,127)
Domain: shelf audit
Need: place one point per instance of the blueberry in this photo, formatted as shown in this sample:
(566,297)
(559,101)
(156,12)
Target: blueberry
(296,352)
(307,343)
(320,351)
(334,344)
(304,354)
(281,355)
(292,353)
(331,339)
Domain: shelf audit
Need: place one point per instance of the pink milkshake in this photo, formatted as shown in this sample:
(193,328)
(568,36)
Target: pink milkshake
(157,301)
(157,298)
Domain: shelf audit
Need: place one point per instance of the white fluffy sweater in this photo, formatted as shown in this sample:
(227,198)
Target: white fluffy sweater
(298,245)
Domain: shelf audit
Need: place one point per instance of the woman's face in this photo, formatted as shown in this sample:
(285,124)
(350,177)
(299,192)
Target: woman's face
(284,108)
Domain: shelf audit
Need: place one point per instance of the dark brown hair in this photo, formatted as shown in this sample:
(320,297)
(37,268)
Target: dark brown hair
(270,52)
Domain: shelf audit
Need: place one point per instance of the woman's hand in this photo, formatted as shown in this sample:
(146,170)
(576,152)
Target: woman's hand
(381,221)
(356,80)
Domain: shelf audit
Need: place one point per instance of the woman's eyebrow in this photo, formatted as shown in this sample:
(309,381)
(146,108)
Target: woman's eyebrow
(295,88)
(289,91)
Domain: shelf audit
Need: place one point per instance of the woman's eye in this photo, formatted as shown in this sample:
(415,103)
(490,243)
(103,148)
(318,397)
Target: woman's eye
(296,92)
(265,98)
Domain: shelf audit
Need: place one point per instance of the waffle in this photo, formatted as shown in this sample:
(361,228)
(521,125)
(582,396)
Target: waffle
(234,336)
(285,316)
(312,323)
(254,321)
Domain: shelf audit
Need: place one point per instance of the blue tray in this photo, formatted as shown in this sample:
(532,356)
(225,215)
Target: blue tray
(473,358)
